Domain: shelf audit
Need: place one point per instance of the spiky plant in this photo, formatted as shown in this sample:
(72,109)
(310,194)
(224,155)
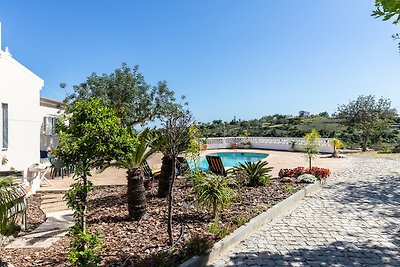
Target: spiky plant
(214,192)
(255,173)
(12,204)
(133,163)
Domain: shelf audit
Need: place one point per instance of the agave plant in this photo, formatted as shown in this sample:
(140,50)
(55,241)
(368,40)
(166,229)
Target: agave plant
(255,173)
(12,204)
(215,192)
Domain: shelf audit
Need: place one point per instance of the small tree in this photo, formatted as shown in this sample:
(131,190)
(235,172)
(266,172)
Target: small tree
(193,150)
(311,148)
(176,139)
(133,162)
(214,192)
(91,136)
(368,115)
(336,143)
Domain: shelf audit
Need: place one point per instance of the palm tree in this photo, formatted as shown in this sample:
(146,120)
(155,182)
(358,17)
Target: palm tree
(133,162)
(12,204)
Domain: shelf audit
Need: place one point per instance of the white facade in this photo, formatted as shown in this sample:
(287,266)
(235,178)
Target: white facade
(20,128)
(50,110)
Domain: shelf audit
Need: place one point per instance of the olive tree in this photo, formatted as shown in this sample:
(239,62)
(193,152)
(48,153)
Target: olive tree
(368,115)
(126,91)
(90,136)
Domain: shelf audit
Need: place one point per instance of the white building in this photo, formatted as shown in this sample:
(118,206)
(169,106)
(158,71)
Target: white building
(49,111)
(20,113)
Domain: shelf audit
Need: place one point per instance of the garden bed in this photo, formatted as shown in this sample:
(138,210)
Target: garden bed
(131,243)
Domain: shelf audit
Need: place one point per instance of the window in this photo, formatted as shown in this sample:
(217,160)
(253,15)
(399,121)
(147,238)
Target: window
(49,126)
(4,109)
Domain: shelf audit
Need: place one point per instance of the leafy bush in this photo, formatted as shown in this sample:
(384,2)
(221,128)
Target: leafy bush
(213,191)
(256,173)
(218,230)
(240,220)
(307,178)
(320,173)
(288,188)
(198,245)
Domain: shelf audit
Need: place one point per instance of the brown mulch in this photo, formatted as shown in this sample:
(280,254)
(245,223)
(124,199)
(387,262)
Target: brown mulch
(34,215)
(130,242)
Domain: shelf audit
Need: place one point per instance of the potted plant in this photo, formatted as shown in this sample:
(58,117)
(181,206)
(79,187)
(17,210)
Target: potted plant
(204,143)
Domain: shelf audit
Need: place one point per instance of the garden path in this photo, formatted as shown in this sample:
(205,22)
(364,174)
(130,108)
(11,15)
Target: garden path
(353,221)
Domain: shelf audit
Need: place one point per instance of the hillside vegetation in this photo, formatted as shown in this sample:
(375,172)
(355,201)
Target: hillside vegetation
(297,126)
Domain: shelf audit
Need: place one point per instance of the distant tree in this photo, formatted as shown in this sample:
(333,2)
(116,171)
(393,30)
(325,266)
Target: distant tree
(388,9)
(126,91)
(311,148)
(302,113)
(368,115)
(324,114)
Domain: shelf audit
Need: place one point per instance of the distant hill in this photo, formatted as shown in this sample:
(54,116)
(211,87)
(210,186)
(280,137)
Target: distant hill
(297,126)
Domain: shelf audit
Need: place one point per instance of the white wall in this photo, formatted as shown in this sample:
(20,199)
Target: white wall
(20,89)
(273,143)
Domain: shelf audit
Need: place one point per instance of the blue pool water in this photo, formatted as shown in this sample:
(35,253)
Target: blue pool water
(231,159)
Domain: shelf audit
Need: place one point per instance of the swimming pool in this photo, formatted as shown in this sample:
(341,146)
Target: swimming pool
(231,159)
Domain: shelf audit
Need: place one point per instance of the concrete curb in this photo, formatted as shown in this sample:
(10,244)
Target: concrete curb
(281,209)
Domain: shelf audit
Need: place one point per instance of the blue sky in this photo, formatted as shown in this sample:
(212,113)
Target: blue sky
(230,58)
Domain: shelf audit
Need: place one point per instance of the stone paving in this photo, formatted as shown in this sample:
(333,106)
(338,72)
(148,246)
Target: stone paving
(353,221)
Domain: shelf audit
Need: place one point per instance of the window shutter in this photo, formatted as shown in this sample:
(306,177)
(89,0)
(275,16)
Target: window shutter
(5,125)
(48,126)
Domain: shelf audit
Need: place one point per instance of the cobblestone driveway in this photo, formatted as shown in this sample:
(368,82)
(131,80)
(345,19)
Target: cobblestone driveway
(353,221)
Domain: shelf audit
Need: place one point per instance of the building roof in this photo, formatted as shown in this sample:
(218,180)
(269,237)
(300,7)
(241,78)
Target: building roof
(47,102)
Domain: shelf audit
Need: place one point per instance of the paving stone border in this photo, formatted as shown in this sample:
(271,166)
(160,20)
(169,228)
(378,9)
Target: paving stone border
(281,209)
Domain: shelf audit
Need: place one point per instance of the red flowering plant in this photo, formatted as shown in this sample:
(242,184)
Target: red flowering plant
(320,173)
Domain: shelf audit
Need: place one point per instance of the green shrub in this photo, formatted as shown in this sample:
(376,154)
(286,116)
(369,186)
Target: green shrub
(255,173)
(218,230)
(289,188)
(198,245)
(240,220)
(213,191)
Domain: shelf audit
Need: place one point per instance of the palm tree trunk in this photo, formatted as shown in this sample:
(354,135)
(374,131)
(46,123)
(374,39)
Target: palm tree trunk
(136,194)
(167,169)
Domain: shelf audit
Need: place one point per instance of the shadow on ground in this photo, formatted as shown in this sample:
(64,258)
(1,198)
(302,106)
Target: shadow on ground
(337,254)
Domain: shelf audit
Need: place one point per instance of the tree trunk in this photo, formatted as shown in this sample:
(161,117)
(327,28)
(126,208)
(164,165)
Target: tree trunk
(136,194)
(83,217)
(170,201)
(365,142)
(309,162)
(215,209)
(167,170)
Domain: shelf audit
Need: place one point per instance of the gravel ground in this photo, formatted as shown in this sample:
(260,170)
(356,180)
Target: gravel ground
(124,239)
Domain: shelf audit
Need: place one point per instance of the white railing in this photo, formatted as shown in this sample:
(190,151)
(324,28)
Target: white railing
(273,143)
